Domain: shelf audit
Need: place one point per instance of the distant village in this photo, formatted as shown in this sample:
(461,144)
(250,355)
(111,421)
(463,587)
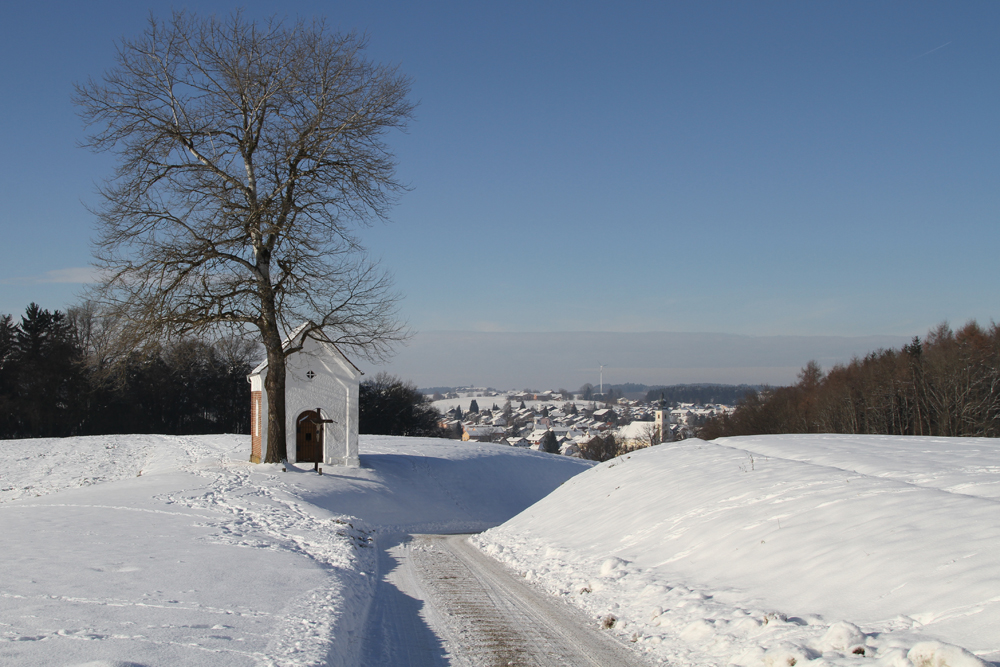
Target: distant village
(522,419)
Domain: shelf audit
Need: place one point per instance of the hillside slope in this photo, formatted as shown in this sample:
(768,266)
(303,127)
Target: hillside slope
(157,550)
(770,550)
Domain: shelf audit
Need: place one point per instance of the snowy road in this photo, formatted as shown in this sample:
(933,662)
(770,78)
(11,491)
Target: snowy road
(442,602)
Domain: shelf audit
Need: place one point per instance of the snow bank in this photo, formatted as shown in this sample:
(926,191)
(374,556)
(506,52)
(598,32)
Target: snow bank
(31,468)
(434,485)
(173,550)
(779,551)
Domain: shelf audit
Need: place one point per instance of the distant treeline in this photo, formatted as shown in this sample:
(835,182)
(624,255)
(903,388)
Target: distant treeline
(56,379)
(429,391)
(671,395)
(946,385)
(388,405)
(701,394)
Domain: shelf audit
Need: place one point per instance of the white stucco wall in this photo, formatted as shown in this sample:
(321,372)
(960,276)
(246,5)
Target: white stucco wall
(333,389)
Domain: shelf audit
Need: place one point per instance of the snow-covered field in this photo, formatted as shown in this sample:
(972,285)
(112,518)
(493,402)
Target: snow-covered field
(775,550)
(779,550)
(153,550)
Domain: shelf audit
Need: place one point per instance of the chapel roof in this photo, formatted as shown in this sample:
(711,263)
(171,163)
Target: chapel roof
(295,335)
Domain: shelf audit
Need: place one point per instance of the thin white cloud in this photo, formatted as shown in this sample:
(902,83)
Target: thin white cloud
(73,275)
(931,51)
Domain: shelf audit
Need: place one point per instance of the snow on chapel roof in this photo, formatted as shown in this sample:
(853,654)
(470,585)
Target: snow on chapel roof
(295,337)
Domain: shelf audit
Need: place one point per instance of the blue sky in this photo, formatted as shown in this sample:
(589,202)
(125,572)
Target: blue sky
(759,169)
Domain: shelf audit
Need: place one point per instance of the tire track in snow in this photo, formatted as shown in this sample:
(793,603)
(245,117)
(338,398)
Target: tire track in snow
(484,615)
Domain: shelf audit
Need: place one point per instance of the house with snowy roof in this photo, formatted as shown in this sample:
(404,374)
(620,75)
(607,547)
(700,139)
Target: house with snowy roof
(536,435)
(570,448)
(481,433)
(321,402)
(605,415)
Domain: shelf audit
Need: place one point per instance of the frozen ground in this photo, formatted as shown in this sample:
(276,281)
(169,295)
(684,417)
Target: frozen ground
(779,550)
(154,550)
(150,550)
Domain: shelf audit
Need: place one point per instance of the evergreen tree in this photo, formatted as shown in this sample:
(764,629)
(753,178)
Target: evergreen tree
(54,382)
(49,374)
(549,443)
(390,406)
(8,377)
(473,407)
(600,448)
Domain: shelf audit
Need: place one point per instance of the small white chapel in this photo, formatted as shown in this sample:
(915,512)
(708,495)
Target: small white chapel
(321,403)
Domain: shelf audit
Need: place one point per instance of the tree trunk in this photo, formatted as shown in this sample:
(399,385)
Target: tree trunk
(274,383)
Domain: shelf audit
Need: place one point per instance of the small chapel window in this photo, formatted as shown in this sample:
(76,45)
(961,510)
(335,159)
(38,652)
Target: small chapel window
(310,375)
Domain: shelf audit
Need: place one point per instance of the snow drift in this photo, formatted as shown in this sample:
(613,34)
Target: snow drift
(779,550)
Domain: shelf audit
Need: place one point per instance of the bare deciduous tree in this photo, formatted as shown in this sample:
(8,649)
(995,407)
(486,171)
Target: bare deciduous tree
(648,436)
(601,448)
(946,385)
(249,154)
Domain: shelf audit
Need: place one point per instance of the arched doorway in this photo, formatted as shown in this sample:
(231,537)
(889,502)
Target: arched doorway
(309,437)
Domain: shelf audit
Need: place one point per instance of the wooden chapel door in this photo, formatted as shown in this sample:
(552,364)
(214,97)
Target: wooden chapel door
(309,438)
